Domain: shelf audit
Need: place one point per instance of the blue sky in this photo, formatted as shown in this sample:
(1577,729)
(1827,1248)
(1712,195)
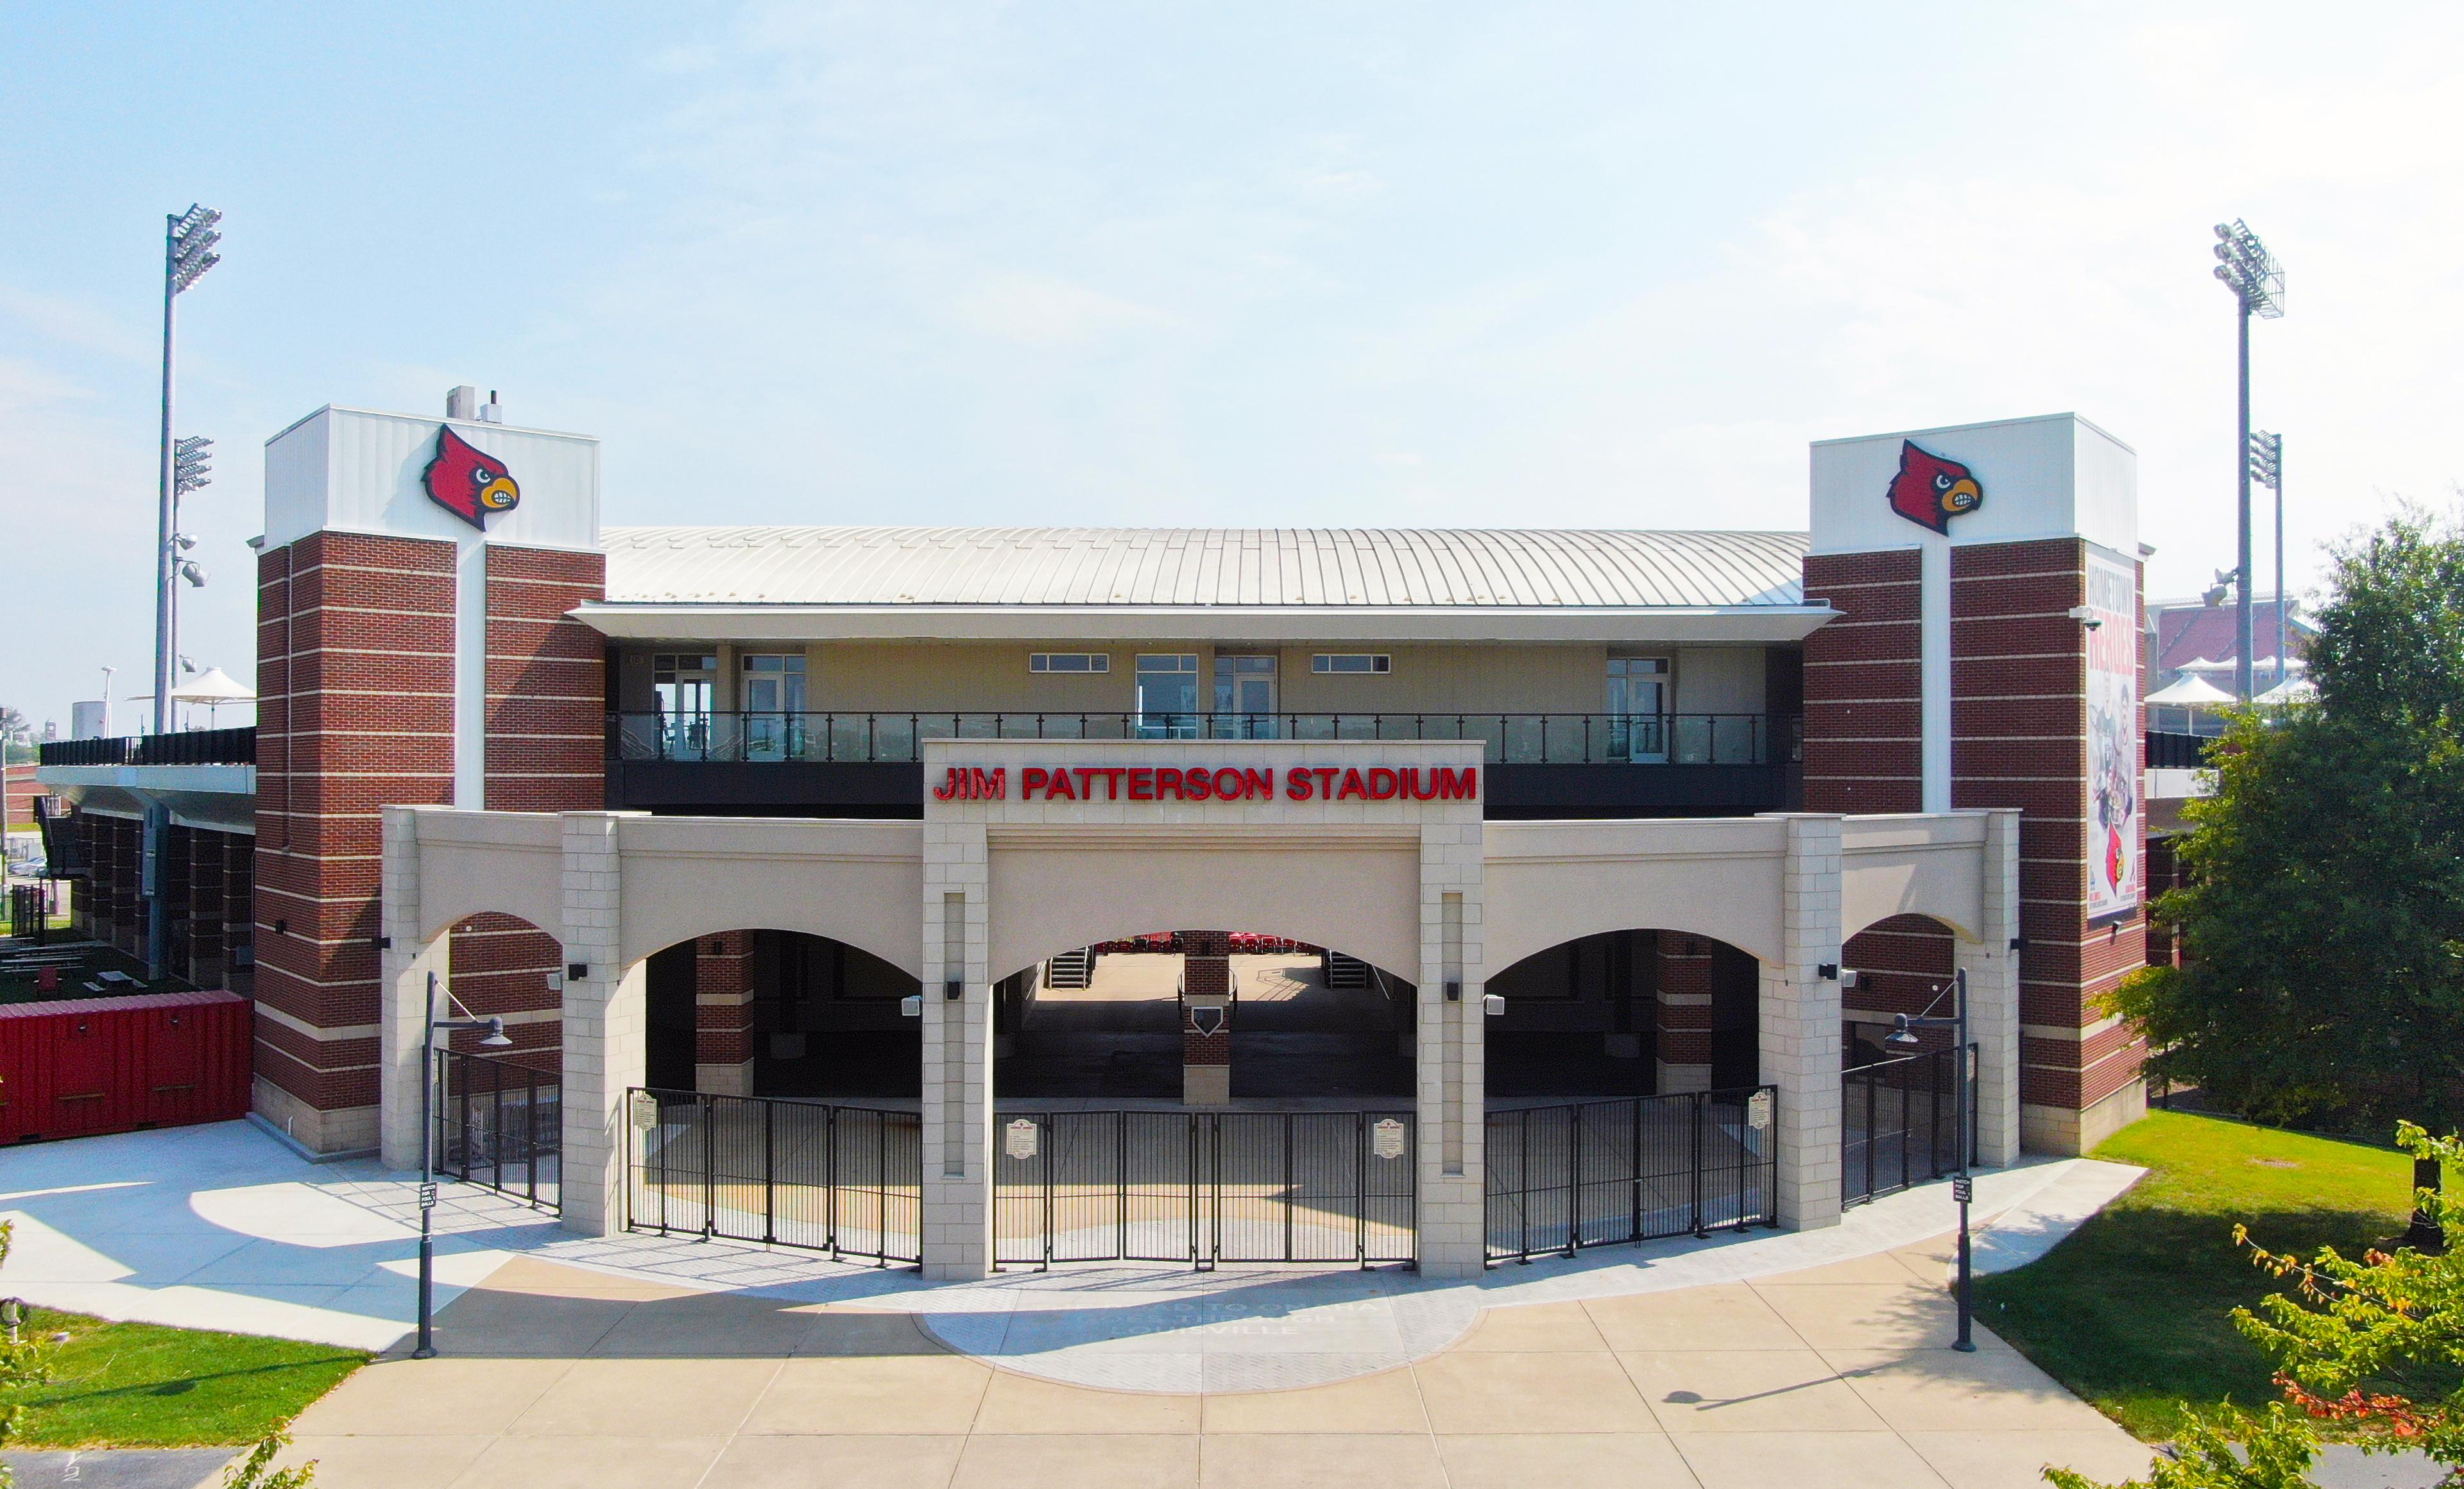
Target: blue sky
(1327,264)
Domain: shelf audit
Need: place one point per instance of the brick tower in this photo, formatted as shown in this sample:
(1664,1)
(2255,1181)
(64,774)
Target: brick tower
(1989,581)
(409,654)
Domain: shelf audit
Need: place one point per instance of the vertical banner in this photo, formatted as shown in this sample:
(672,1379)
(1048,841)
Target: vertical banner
(2113,868)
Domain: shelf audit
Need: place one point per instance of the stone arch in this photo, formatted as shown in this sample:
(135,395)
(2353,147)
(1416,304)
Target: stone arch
(1626,1010)
(1360,895)
(1901,961)
(716,1004)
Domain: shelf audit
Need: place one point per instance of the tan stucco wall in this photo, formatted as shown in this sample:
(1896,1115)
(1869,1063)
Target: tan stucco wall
(992,677)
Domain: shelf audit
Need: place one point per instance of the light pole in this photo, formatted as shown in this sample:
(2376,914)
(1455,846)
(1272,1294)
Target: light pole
(189,241)
(2257,282)
(106,700)
(496,1039)
(2267,468)
(191,459)
(1963,1184)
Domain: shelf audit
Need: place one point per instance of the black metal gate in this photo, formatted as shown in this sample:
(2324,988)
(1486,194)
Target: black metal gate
(500,1123)
(1602,1172)
(848,1180)
(1899,1122)
(1202,1188)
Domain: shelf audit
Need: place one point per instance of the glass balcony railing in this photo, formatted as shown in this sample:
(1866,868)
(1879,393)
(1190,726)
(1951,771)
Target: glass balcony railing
(1506,739)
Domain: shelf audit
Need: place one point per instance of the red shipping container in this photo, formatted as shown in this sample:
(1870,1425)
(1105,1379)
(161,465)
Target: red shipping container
(75,1067)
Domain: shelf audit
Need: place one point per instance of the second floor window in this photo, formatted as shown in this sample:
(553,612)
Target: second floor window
(1168,696)
(1069,662)
(773,683)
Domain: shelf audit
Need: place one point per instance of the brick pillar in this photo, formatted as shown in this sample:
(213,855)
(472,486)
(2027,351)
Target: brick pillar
(354,710)
(209,889)
(724,1013)
(605,1019)
(2023,739)
(1684,1002)
(1863,749)
(127,871)
(240,916)
(179,848)
(1206,983)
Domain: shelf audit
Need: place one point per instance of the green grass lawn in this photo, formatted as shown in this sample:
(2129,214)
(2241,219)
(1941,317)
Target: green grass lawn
(2131,1311)
(144,1386)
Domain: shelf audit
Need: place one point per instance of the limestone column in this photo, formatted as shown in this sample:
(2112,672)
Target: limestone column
(1992,971)
(724,1013)
(1682,1009)
(1206,1027)
(1800,1024)
(605,1015)
(402,989)
(958,1014)
(1453,1086)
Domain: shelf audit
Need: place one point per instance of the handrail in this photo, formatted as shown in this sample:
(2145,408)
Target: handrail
(236,746)
(1507,739)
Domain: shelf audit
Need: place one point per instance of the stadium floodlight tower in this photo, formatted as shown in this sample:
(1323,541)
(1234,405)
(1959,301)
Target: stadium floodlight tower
(188,242)
(2257,282)
(2267,468)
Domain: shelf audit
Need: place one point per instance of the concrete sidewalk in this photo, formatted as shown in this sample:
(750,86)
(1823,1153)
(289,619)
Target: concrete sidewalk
(1832,1376)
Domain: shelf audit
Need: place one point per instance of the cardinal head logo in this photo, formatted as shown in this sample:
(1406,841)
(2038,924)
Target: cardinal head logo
(1930,490)
(467,483)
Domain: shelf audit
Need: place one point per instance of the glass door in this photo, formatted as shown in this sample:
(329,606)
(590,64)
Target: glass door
(773,705)
(1168,697)
(1245,698)
(1638,709)
(683,684)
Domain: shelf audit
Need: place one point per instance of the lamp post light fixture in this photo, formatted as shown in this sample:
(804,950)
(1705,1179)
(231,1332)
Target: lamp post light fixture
(1963,1183)
(2267,468)
(426,1348)
(2257,279)
(188,242)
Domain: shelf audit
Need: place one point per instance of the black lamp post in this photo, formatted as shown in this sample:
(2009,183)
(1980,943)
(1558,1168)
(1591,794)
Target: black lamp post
(1962,1185)
(496,1039)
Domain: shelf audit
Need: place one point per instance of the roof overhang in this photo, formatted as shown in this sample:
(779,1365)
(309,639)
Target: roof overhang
(663,622)
(218,797)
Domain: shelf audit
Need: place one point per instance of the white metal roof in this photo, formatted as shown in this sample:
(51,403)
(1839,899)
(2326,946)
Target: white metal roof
(1147,568)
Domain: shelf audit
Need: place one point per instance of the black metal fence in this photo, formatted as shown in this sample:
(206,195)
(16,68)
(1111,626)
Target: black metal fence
(1510,738)
(1900,1122)
(2170,752)
(848,1180)
(183,746)
(500,1123)
(30,912)
(1204,1187)
(1605,1173)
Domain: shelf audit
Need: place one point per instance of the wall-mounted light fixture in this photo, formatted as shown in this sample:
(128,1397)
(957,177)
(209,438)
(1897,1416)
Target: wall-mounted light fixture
(577,971)
(955,989)
(1454,991)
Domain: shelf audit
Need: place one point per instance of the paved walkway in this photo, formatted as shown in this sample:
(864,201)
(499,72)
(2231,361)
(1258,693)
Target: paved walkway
(644,1359)
(1833,1376)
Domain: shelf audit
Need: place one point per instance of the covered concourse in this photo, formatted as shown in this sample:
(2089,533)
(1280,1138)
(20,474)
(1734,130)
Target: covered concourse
(919,957)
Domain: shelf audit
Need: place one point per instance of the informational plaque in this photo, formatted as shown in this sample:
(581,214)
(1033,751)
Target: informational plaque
(1386,1138)
(1020,1139)
(645,1110)
(1758,1110)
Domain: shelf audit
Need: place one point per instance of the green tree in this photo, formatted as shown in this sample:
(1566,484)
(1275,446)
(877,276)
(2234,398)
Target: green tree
(2324,920)
(2374,1347)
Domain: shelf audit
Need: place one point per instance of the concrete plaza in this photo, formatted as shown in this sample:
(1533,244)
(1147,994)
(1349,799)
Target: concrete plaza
(627,1360)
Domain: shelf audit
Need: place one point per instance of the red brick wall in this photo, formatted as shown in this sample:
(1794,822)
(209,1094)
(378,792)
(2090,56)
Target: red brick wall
(546,688)
(1684,969)
(1861,685)
(2019,738)
(722,998)
(1899,962)
(354,710)
(500,966)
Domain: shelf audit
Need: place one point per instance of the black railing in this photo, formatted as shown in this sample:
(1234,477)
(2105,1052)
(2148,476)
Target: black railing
(848,1180)
(1608,1172)
(1206,1188)
(500,1123)
(1508,738)
(2170,752)
(187,747)
(1900,1122)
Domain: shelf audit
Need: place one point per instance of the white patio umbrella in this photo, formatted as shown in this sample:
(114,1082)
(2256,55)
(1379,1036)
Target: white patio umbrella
(2293,689)
(214,687)
(2189,690)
